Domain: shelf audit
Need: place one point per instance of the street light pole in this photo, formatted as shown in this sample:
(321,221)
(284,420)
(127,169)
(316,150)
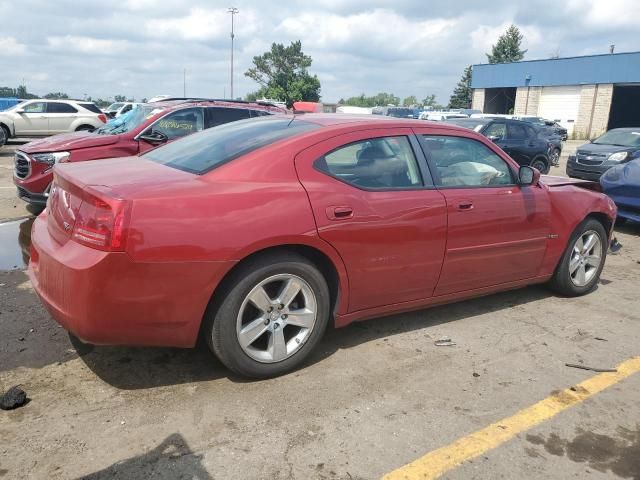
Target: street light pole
(232,11)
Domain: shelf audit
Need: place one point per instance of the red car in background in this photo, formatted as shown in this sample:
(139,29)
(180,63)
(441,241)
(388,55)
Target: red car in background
(142,129)
(257,233)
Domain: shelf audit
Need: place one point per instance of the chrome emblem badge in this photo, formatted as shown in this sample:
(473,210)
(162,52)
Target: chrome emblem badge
(66,226)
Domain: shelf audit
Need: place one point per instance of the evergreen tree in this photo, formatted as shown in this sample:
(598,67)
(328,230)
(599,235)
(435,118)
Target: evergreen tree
(461,97)
(507,48)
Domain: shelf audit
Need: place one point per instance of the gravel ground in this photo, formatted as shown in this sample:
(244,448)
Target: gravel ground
(375,396)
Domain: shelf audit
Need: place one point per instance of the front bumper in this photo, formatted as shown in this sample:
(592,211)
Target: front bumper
(39,199)
(32,179)
(108,298)
(585,172)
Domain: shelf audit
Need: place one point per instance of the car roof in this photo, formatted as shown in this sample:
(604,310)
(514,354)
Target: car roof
(177,103)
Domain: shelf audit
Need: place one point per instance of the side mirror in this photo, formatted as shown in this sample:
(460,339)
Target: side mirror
(154,137)
(495,138)
(528,176)
(20,110)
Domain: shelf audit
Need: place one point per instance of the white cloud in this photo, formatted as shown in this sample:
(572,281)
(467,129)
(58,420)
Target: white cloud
(10,46)
(90,45)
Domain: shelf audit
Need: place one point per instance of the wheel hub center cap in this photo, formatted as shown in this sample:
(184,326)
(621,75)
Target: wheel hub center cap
(274,315)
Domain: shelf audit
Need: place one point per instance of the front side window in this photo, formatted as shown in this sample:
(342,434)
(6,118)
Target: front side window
(35,107)
(496,130)
(379,163)
(516,132)
(180,123)
(464,162)
(59,107)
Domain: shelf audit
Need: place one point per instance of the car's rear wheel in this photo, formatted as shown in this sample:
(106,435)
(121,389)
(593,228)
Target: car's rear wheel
(582,262)
(85,128)
(555,157)
(273,314)
(540,164)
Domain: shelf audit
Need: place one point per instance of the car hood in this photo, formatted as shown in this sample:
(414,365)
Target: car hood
(623,179)
(594,148)
(69,141)
(554,181)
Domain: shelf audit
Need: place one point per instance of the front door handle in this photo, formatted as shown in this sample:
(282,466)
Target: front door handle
(465,205)
(339,213)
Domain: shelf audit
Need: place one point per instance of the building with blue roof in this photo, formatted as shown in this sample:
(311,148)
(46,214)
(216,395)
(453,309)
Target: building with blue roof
(588,95)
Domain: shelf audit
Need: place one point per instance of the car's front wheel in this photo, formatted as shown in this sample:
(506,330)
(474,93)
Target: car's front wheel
(582,262)
(4,135)
(273,313)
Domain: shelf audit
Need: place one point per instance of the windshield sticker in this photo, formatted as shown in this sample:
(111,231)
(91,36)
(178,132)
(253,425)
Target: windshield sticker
(173,124)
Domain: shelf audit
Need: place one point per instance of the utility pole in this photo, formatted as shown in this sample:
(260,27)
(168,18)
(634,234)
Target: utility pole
(233,11)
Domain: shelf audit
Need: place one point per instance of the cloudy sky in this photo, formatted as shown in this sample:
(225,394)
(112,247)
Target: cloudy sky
(140,47)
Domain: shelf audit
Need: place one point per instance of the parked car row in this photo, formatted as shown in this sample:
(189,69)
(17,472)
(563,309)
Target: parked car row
(257,233)
(40,117)
(139,130)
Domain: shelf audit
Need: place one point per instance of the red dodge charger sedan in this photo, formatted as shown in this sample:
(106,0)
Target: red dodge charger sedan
(257,233)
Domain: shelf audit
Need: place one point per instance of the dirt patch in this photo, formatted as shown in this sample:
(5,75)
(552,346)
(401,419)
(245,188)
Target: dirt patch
(620,454)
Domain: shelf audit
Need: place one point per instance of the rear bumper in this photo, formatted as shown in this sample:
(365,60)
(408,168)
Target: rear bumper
(107,298)
(585,172)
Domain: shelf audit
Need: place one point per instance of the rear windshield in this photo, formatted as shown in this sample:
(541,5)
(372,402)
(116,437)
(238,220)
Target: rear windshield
(206,150)
(620,138)
(471,123)
(92,107)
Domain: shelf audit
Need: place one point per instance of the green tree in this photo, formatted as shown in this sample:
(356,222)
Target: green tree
(7,92)
(461,97)
(120,98)
(379,100)
(282,74)
(56,95)
(507,49)
(410,101)
(429,101)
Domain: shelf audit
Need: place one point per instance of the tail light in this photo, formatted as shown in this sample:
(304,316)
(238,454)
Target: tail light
(103,118)
(101,223)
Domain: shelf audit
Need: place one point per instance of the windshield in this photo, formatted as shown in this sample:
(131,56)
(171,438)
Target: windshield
(114,107)
(201,152)
(621,138)
(130,120)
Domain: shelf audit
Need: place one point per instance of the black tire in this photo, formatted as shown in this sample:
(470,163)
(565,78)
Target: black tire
(220,320)
(555,157)
(561,281)
(4,135)
(85,128)
(540,163)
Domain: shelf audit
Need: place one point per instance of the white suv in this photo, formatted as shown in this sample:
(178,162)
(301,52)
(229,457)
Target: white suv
(35,118)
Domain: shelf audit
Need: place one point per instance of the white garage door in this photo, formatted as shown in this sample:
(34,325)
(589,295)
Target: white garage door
(560,104)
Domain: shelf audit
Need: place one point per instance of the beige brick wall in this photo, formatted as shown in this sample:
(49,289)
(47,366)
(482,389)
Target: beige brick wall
(477,100)
(593,113)
(527,100)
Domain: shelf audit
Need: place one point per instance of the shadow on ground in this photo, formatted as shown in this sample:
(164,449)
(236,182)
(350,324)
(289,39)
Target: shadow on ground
(171,459)
(138,368)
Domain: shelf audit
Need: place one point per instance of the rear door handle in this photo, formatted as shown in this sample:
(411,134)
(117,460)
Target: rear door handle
(465,205)
(339,213)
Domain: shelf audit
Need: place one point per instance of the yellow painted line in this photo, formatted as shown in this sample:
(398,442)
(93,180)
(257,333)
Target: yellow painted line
(440,461)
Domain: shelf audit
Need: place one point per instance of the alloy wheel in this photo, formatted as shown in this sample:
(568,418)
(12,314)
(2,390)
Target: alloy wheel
(585,259)
(276,318)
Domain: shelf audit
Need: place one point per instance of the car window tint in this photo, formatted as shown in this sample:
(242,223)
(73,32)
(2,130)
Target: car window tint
(464,162)
(35,107)
(211,148)
(180,123)
(379,163)
(516,132)
(496,130)
(220,115)
(58,107)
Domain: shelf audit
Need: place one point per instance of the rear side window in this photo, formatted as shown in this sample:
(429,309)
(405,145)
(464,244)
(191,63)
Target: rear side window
(180,123)
(385,163)
(58,107)
(92,107)
(516,132)
(211,148)
(220,115)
